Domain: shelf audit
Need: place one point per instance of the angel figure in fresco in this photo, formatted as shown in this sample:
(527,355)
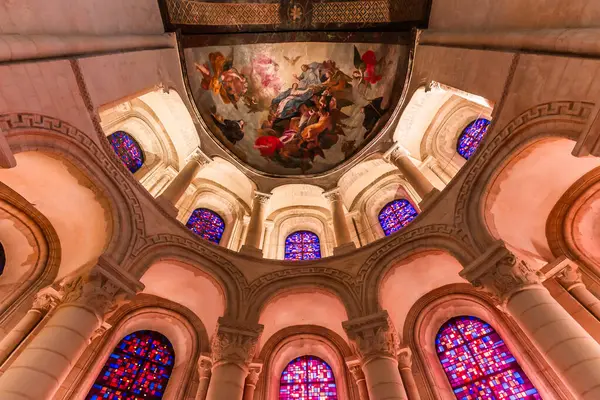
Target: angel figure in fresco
(369,70)
(219,76)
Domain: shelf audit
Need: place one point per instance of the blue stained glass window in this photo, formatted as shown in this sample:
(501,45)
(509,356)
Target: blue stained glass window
(478,363)
(471,137)
(307,378)
(395,215)
(302,245)
(207,224)
(138,368)
(127,149)
(2,259)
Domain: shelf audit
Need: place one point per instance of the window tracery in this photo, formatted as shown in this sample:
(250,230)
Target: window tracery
(478,363)
(127,149)
(395,215)
(471,137)
(302,245)
(307,378)
(138,368)
(207,224)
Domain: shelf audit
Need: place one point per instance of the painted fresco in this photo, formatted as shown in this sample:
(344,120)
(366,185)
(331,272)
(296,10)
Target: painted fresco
(295,108)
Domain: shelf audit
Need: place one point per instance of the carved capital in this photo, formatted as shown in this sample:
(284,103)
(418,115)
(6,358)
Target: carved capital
(500,273)
(253,374)
(262,198)
(105,327)
(100,289)
(198,156)
(356,370)
(570,277)
(373,336)
(46,299)
(404,358)
(204,367)
(333,195)
(235,342)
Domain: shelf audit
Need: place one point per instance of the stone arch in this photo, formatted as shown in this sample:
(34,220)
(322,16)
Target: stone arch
(310,336)
(564,119)
(184,330)
(191,252)
(27,132)
(430,312)
(401,246)
(46,258)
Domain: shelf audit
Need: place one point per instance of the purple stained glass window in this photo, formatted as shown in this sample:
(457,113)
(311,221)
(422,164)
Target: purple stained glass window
(479,365)
(302,245)
(127,149)
(207,224)
(307,378)
(395,215)
(471,137)
(138,368)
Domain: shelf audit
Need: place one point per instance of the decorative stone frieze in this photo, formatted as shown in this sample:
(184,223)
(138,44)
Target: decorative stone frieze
(235,342)
(501,273)
(373,336)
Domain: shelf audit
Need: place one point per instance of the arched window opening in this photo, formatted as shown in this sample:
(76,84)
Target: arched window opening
(395,215)
(128,150)
(307,378)
(138,368)
(207,224)
(302,245)
(471,137)
(2,259)
(478,363)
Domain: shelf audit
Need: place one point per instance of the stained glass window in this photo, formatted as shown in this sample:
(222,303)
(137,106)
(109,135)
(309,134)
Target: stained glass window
(307,378)
(478,363)
(127,149)
(302,245)
(2,259)
(395,215)
(138,368)
(471,137)
(208,224)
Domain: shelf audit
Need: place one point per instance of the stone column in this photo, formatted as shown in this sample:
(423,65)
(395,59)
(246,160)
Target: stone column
(359,377)
(233,348)
(43,302)
(405,365)
(569,349)
(400,158)
(251,381)
(177,187)
(204,373)
(42,367)
(439,172)
(256,226)
(570,279)
(376,341)
(343,240)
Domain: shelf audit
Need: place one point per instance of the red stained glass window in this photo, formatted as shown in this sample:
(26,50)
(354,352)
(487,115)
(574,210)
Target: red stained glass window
(138,368)
(302,245)
(207,224)
(127,149)
(395,215)
(471,137)
(478,364)
(307,378)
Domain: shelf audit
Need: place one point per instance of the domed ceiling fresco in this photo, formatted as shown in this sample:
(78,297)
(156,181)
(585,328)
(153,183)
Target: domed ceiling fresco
(308,95)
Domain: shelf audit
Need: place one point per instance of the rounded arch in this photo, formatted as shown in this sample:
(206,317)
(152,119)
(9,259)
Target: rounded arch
(178,324)
(564,119)
(295,341)
(434,309)
(198,257)
(33,131)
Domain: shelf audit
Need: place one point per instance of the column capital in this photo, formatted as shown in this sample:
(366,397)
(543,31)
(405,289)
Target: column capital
(356,370)
(235,342)
(262,198)
(204,367)
(373,336)
(101,288)
(501,273)
(404,357)
(395,152)
(105,327)
(253,374)
(570,277)
(332,195)
(198,156)
(46,299)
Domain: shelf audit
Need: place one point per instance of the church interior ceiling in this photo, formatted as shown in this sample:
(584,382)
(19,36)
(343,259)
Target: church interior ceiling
(295,87)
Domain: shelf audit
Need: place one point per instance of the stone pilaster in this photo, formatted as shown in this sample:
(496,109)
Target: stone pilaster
(359,377)
(571,279)
(204,374)
(251,380)
(405,365)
